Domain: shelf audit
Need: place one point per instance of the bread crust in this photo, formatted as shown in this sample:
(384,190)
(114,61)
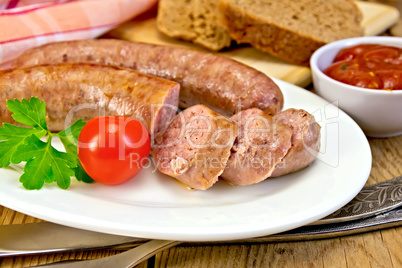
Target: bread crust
(193,21)
(282,42)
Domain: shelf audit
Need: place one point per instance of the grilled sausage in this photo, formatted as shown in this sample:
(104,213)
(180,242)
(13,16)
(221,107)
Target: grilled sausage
(195,147)
(260,146)
(305,141)
(222,84)
(263,146)
(81,90)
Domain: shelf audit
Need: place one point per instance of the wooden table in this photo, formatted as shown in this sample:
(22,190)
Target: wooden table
(374,249)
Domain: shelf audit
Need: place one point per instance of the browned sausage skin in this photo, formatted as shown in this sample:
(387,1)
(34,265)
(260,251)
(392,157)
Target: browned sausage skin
(195,147)
(261,144)
(82,90)
(222,84)
(305,141)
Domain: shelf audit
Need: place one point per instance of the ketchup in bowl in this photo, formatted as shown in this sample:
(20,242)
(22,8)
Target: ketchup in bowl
(369,66)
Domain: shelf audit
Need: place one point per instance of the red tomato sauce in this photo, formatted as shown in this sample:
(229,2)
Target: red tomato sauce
(368,66)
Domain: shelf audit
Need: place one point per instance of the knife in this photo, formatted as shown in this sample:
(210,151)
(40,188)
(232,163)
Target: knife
(376,207)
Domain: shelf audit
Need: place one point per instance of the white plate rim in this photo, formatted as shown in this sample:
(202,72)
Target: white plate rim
(211,223)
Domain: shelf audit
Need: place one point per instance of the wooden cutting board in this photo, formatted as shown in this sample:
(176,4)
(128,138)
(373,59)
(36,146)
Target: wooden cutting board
(377,18)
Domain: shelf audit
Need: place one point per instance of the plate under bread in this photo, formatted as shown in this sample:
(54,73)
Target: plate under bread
(155,206)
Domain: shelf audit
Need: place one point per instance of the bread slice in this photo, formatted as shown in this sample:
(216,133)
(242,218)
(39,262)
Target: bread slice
(193,20)
(291,30)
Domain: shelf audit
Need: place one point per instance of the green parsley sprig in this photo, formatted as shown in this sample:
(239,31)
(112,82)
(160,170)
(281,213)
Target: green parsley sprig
(44,163)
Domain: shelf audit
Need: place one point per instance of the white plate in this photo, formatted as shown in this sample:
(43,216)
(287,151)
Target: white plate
(155,206)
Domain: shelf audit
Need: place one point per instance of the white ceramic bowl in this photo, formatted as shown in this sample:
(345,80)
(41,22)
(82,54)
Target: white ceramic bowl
(378,112)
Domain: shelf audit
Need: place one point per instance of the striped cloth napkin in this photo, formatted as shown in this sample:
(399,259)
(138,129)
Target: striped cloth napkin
(29,23)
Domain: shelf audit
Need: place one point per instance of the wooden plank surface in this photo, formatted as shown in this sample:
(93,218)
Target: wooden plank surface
(376,19)
(375,249)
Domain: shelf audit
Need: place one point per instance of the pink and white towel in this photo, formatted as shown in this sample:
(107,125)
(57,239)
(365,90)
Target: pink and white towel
(29,23)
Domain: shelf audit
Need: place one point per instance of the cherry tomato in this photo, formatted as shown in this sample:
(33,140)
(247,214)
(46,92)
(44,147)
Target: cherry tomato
(113,149)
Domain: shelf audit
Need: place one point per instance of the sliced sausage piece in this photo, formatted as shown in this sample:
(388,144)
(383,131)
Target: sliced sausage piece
(305,141)
(73,91)
(195,147)
(222,84)
(260,146)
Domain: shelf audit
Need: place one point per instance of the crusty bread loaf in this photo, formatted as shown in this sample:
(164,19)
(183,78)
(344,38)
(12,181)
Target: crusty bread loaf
(291,30)
(193,20)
